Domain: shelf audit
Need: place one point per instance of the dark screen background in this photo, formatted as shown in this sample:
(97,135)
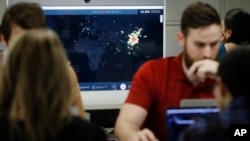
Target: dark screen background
(97,45)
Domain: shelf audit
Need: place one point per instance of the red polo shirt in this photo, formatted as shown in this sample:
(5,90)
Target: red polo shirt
(160,84)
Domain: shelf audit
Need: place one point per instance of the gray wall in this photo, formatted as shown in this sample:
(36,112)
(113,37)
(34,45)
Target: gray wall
(2,8)
(229,4)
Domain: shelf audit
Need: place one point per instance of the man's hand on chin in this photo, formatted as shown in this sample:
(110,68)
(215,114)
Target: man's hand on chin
(202,69)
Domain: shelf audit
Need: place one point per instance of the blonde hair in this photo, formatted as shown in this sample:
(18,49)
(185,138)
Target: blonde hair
(35,85)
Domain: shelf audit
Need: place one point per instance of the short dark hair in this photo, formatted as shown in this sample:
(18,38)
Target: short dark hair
(238,20)
(234,70)
(24,14)
(198,15)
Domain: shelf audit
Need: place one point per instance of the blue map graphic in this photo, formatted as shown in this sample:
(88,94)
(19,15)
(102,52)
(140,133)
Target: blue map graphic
(108,48)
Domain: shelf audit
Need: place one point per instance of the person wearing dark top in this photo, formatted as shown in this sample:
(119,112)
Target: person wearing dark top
(23,16)
(76,130)
(236,29)
(35,93)
(233,97)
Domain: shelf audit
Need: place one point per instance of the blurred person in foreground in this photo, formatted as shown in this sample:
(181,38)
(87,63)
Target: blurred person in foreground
(24,16)
(35,93)
(233,97)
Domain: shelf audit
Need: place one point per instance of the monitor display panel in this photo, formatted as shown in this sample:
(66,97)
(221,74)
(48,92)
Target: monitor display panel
(178,119)
(106,45)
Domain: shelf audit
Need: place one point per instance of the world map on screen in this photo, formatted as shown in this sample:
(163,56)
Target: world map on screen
(108,48)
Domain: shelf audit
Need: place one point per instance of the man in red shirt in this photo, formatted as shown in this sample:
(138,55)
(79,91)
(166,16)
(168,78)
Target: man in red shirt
(162,83)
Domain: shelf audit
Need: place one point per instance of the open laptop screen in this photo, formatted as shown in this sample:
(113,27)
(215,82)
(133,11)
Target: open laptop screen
(179,118)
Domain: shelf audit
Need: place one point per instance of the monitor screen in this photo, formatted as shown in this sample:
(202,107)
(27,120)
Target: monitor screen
(178,119)
(107,44)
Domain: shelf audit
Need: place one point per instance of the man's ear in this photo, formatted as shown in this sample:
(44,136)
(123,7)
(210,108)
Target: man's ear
(180,38)
(228,33)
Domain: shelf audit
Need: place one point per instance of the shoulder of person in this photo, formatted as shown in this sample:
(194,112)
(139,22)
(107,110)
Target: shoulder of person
(230,46)
(79,123)
(157,62)
(85,129)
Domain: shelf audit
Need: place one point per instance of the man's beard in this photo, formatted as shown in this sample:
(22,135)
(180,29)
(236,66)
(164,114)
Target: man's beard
(188,60)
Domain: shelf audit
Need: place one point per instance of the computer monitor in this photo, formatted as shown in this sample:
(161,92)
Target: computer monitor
(178,119)
(106,45)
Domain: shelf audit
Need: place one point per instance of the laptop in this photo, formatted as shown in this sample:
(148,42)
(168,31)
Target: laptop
(178,119)
(198,102)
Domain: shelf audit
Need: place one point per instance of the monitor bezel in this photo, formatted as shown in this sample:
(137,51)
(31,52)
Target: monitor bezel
(107,99)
